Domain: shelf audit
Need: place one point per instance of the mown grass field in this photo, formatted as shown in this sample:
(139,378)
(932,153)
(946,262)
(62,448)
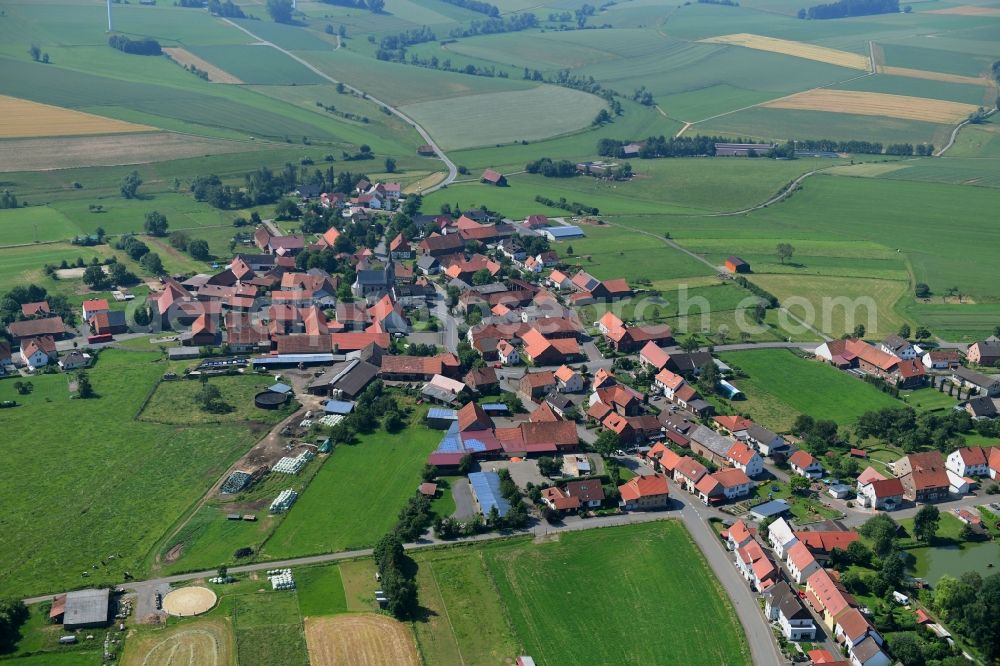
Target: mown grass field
(174,402)
(780,385)
(337,511)
(258,64)
(112,485)
(538,583)
(519,115)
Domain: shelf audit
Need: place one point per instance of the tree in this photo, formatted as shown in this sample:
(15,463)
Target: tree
(925,523)
(393,422)
(209,399)
(130,184)
(95,278)
(708,377)
(482,276)
(199,249)
(881,530)
(921,290)
(222,571)
(390,165)
(607,443)
(784,251)
(83,386)
(906,649)
(549,466)
(798,484)
(690,343)
(155,224)
(904,331)
(922,333)
(859,331)
(45,58)
(13,614)
(119,275)
(280,10)
(151,263)
(376,6)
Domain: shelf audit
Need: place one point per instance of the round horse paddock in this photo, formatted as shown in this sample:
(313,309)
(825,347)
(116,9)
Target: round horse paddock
(188,601)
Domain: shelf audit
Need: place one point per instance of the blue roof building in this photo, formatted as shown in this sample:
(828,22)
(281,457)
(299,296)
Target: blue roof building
(280,388)
(338,407)
(486,493)
(763,511)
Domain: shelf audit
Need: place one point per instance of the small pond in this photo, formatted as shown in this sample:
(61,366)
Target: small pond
(932,563)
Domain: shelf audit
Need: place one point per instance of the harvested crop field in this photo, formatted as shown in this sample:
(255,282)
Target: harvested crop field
(23,118)
(934,76)
(796,49)
(215,74)
(42,154)
(875,104)
(359,639)
(204,643)
(967,10)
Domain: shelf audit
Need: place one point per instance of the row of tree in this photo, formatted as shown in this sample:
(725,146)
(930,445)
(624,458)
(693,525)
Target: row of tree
(226,9)
(552,169)
(476,6)
(662,146)
(494,26)
(572,206)
(845,8)
(8,200)
(144,46)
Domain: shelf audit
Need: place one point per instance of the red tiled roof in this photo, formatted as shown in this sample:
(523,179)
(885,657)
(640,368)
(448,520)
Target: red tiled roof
(654,355)
(730,478)
(826,541)
(740,453)
(560,500)
(801,459)
(473,417)
(651,485)
(733,423)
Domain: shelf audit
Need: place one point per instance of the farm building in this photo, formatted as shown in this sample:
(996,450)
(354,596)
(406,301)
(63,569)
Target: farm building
(491,177)
(486,493)
(562,232)
(82,609)
(742,149)
(426,150)
(737,265)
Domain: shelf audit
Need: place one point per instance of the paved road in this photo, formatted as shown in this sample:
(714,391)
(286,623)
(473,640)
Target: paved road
(452,169)
(694,516)
(449,325)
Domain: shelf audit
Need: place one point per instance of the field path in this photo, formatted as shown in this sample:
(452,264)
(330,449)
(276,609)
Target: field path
(452,169)
(719,269)
(954,133)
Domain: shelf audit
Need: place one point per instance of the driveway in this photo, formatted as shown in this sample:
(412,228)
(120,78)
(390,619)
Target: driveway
(522,473)
(464,506)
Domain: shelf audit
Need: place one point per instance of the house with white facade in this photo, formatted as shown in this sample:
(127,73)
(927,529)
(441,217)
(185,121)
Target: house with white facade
(803,464)
(783,607)
(801,563)
(507,354)
(970,461)
(781,537)
(744,458)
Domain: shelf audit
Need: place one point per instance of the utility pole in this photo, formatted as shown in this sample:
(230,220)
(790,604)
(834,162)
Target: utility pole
(110,26)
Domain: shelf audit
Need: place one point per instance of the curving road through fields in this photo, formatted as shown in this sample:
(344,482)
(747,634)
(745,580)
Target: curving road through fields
(452,169)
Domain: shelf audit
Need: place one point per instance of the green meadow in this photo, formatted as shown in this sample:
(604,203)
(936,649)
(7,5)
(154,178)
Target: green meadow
(112,484)
(781,385)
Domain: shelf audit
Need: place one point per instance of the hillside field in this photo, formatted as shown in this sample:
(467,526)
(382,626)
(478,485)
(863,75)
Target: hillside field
(99,468)
(780,385)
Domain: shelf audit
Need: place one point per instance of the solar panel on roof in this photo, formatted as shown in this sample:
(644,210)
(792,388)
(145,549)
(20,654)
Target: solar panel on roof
(441,413)
(486,486)
(474,445)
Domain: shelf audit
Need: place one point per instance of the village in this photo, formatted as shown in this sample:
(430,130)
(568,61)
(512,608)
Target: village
(546,420)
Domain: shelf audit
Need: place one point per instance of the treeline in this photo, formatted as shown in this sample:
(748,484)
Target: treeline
(190,3)
(397,573)
(572,206)
(476,6)
(913,432)
(493,26)
(550,169)
(330,108)
(727,3)
(227,9)
(445,65)
(11,302)
(393,47)
(845,8)
(770,300)
(661,146)
(587,84)
(265,186)
(144,46)
(8,200)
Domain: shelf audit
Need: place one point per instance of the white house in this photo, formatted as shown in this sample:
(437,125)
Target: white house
(668,382)
(38,352)
(569,380)
(782,605)
(958,485)
(507,353)
(805,465)
(74,360)
(765,441)
(868,653)
(968,461)
(738,535)
(744,458)
(801,563)
(93,307)
(898,347)
(878,492)
(781,537)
